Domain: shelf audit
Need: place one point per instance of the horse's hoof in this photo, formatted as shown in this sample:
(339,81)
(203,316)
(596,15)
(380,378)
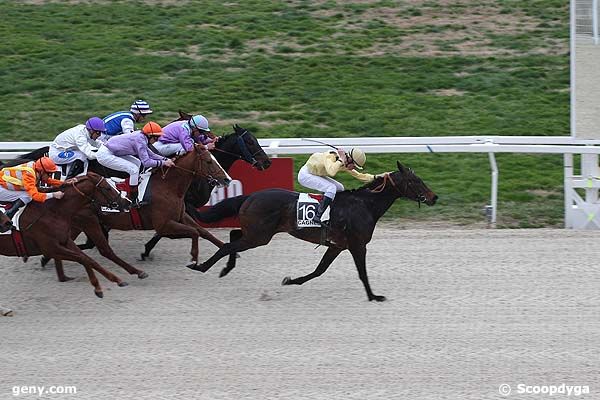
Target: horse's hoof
(66,279)
(286,281)
(224,272)
(123,284)
(99,294)
(44,261)
(196,267)
(142,275)
(378,298)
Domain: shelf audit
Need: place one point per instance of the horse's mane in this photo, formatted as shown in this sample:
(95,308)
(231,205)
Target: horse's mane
(23,158)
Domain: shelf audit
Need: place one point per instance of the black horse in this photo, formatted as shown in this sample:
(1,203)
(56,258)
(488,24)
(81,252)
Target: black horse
(354,214)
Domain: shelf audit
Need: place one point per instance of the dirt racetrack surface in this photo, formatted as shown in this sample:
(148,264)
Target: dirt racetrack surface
(468,310)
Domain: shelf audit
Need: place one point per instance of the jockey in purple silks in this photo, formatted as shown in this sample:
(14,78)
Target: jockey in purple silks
(180,136)
(120,153)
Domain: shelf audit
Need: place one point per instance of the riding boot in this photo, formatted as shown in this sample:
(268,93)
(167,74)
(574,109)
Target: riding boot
(323,204)
(77,167)
(133,196)
(13,210)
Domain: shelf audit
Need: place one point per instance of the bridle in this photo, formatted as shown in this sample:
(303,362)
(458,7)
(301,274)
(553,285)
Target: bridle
(195,173)
(420,198)
(247,156)
(110,201)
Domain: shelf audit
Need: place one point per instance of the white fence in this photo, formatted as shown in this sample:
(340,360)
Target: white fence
(579,212)
(586,18)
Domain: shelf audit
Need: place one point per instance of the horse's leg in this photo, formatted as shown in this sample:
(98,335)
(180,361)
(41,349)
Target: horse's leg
(60,271)
(72,253)
(149,246)
(359,253)
(204,234)
(234,235)
(98,235)
(74,233)
(231,248)
(175,230)
(330,255)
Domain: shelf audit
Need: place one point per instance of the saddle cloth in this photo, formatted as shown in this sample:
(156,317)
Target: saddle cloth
(306,207)
(15,219)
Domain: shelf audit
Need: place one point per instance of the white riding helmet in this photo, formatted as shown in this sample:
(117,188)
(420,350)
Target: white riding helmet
(140,107)
(358,156)
(200,122)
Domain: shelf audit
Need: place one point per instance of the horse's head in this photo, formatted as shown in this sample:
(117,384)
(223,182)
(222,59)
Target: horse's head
(200,163)
(409,185)
(244,145)
(5,223)
(98,191)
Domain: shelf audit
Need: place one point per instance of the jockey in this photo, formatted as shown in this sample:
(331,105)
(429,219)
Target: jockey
(319,170)
(121,122)
(21,183)
(77,146)
(118,153)
(180,136)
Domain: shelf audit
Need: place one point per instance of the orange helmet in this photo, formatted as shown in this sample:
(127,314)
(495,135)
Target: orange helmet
(152,129)
(45,164)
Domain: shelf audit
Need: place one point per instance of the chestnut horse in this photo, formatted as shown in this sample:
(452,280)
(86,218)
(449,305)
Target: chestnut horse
(165,214)
(239,145)
(354,214)
(46,227)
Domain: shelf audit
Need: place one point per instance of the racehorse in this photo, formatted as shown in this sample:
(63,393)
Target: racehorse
(354,214)
(165,214)
(5,223)
(239,145)
(46,227)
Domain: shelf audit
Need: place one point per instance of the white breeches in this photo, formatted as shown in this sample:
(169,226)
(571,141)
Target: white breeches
(14,195)
(325,184)
(128,164)
(61,157)
(168,149)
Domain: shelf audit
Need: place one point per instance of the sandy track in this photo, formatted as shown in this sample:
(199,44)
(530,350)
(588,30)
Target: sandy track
(468,310)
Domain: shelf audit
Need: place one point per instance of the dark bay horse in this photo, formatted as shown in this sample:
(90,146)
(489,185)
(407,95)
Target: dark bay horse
(46,227)
(5,223)
(165,214)
(354,214)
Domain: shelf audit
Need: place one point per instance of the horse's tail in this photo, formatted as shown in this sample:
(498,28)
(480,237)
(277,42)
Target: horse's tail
(226,208)
(23,158)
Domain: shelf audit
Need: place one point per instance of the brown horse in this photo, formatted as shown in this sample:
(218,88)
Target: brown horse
(5,223)
(354,214)
(46,227)
(165,214)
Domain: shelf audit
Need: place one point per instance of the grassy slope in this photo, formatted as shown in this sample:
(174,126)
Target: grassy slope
(321,68)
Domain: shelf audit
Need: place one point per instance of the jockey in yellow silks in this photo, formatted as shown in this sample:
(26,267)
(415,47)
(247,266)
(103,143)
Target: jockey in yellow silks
(319,170)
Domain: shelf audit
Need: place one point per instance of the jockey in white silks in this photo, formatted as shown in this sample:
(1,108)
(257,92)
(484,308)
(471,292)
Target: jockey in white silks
(76,146)
(128,151)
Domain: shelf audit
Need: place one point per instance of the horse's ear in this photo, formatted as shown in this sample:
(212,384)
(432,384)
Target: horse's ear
(400,167)
(181,114)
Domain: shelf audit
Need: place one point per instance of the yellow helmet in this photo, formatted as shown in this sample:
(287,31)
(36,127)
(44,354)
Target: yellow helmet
(358,156)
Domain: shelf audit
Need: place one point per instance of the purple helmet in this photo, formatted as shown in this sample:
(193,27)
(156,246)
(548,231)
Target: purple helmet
(95,124)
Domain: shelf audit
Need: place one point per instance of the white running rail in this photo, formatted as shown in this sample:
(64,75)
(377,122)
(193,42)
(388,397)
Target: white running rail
(491,145)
